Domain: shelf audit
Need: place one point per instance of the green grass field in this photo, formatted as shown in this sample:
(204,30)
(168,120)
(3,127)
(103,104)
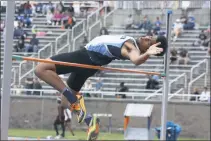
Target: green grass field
(79,135)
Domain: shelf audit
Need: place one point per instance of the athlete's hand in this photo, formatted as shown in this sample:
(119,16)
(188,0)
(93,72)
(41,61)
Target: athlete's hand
(153,50)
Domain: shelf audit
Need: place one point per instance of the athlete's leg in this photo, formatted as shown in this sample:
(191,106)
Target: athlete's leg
(47,73)
(63,128)
(68,125)
(56,123)
(76,81)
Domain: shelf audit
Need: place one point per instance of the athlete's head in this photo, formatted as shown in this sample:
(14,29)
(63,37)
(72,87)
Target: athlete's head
(145,42)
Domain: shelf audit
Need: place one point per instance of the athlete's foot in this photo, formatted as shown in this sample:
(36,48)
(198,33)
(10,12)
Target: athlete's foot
(58,137)
(62,135)
(79,108)
(94,128)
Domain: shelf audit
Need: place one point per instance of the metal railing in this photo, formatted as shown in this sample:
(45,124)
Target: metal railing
(49,93)
(176,80)
(95,16)
(197,78)
(202,66)
(61,42)
(94,30)
(161,4)
(78,40)
(77,29)
(27,68)
(13,77)
(46,51)
(24,53)
(176,93)
(108,19)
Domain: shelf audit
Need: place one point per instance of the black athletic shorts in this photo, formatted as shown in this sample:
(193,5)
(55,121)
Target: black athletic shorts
(78,75)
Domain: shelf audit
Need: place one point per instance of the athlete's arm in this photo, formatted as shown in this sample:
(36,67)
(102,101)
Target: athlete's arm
(132,53)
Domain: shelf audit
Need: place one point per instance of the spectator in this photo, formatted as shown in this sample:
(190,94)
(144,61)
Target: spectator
(65,17)
(29,85)
(3,6)
(19,18)
(27,8)
(2,25)
(88,87)
(202,37)
(40,33)
(184,19)
(18,91)
(60,7)
(37,85)
(104,31)
(190,24)
(152,82)
(98,86)
(194,98)
(49,17)
(122,88)
(20,45)
(47,7)
(155,80)
(27,21)
(19,9)
(33,9)
(71,9)
(173,56)
(157,25)
(150,33)
(177,29)
(146,25)
(206,42)
(183,57)
(39,8)
(19,32)
(57,17)
(107,6)
(205,95)
(16,24)
(33,45)
(129,21)
(70,22)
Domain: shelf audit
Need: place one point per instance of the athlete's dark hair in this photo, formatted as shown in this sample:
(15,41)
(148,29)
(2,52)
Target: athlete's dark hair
(163,45)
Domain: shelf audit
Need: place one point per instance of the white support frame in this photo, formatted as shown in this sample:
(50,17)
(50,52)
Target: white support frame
(7,66)
(166,78)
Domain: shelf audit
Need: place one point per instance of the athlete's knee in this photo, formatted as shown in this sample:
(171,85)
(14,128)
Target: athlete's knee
(42,68)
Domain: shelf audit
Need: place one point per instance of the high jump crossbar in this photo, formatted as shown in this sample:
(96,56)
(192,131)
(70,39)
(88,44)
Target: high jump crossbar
(21,58)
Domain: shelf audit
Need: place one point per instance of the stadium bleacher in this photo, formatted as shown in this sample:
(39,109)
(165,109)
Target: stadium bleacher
(135,82)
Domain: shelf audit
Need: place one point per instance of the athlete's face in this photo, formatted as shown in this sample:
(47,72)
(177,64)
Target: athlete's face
(145,43)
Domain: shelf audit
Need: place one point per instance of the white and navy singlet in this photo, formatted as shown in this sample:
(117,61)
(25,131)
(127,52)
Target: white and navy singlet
(103,49)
